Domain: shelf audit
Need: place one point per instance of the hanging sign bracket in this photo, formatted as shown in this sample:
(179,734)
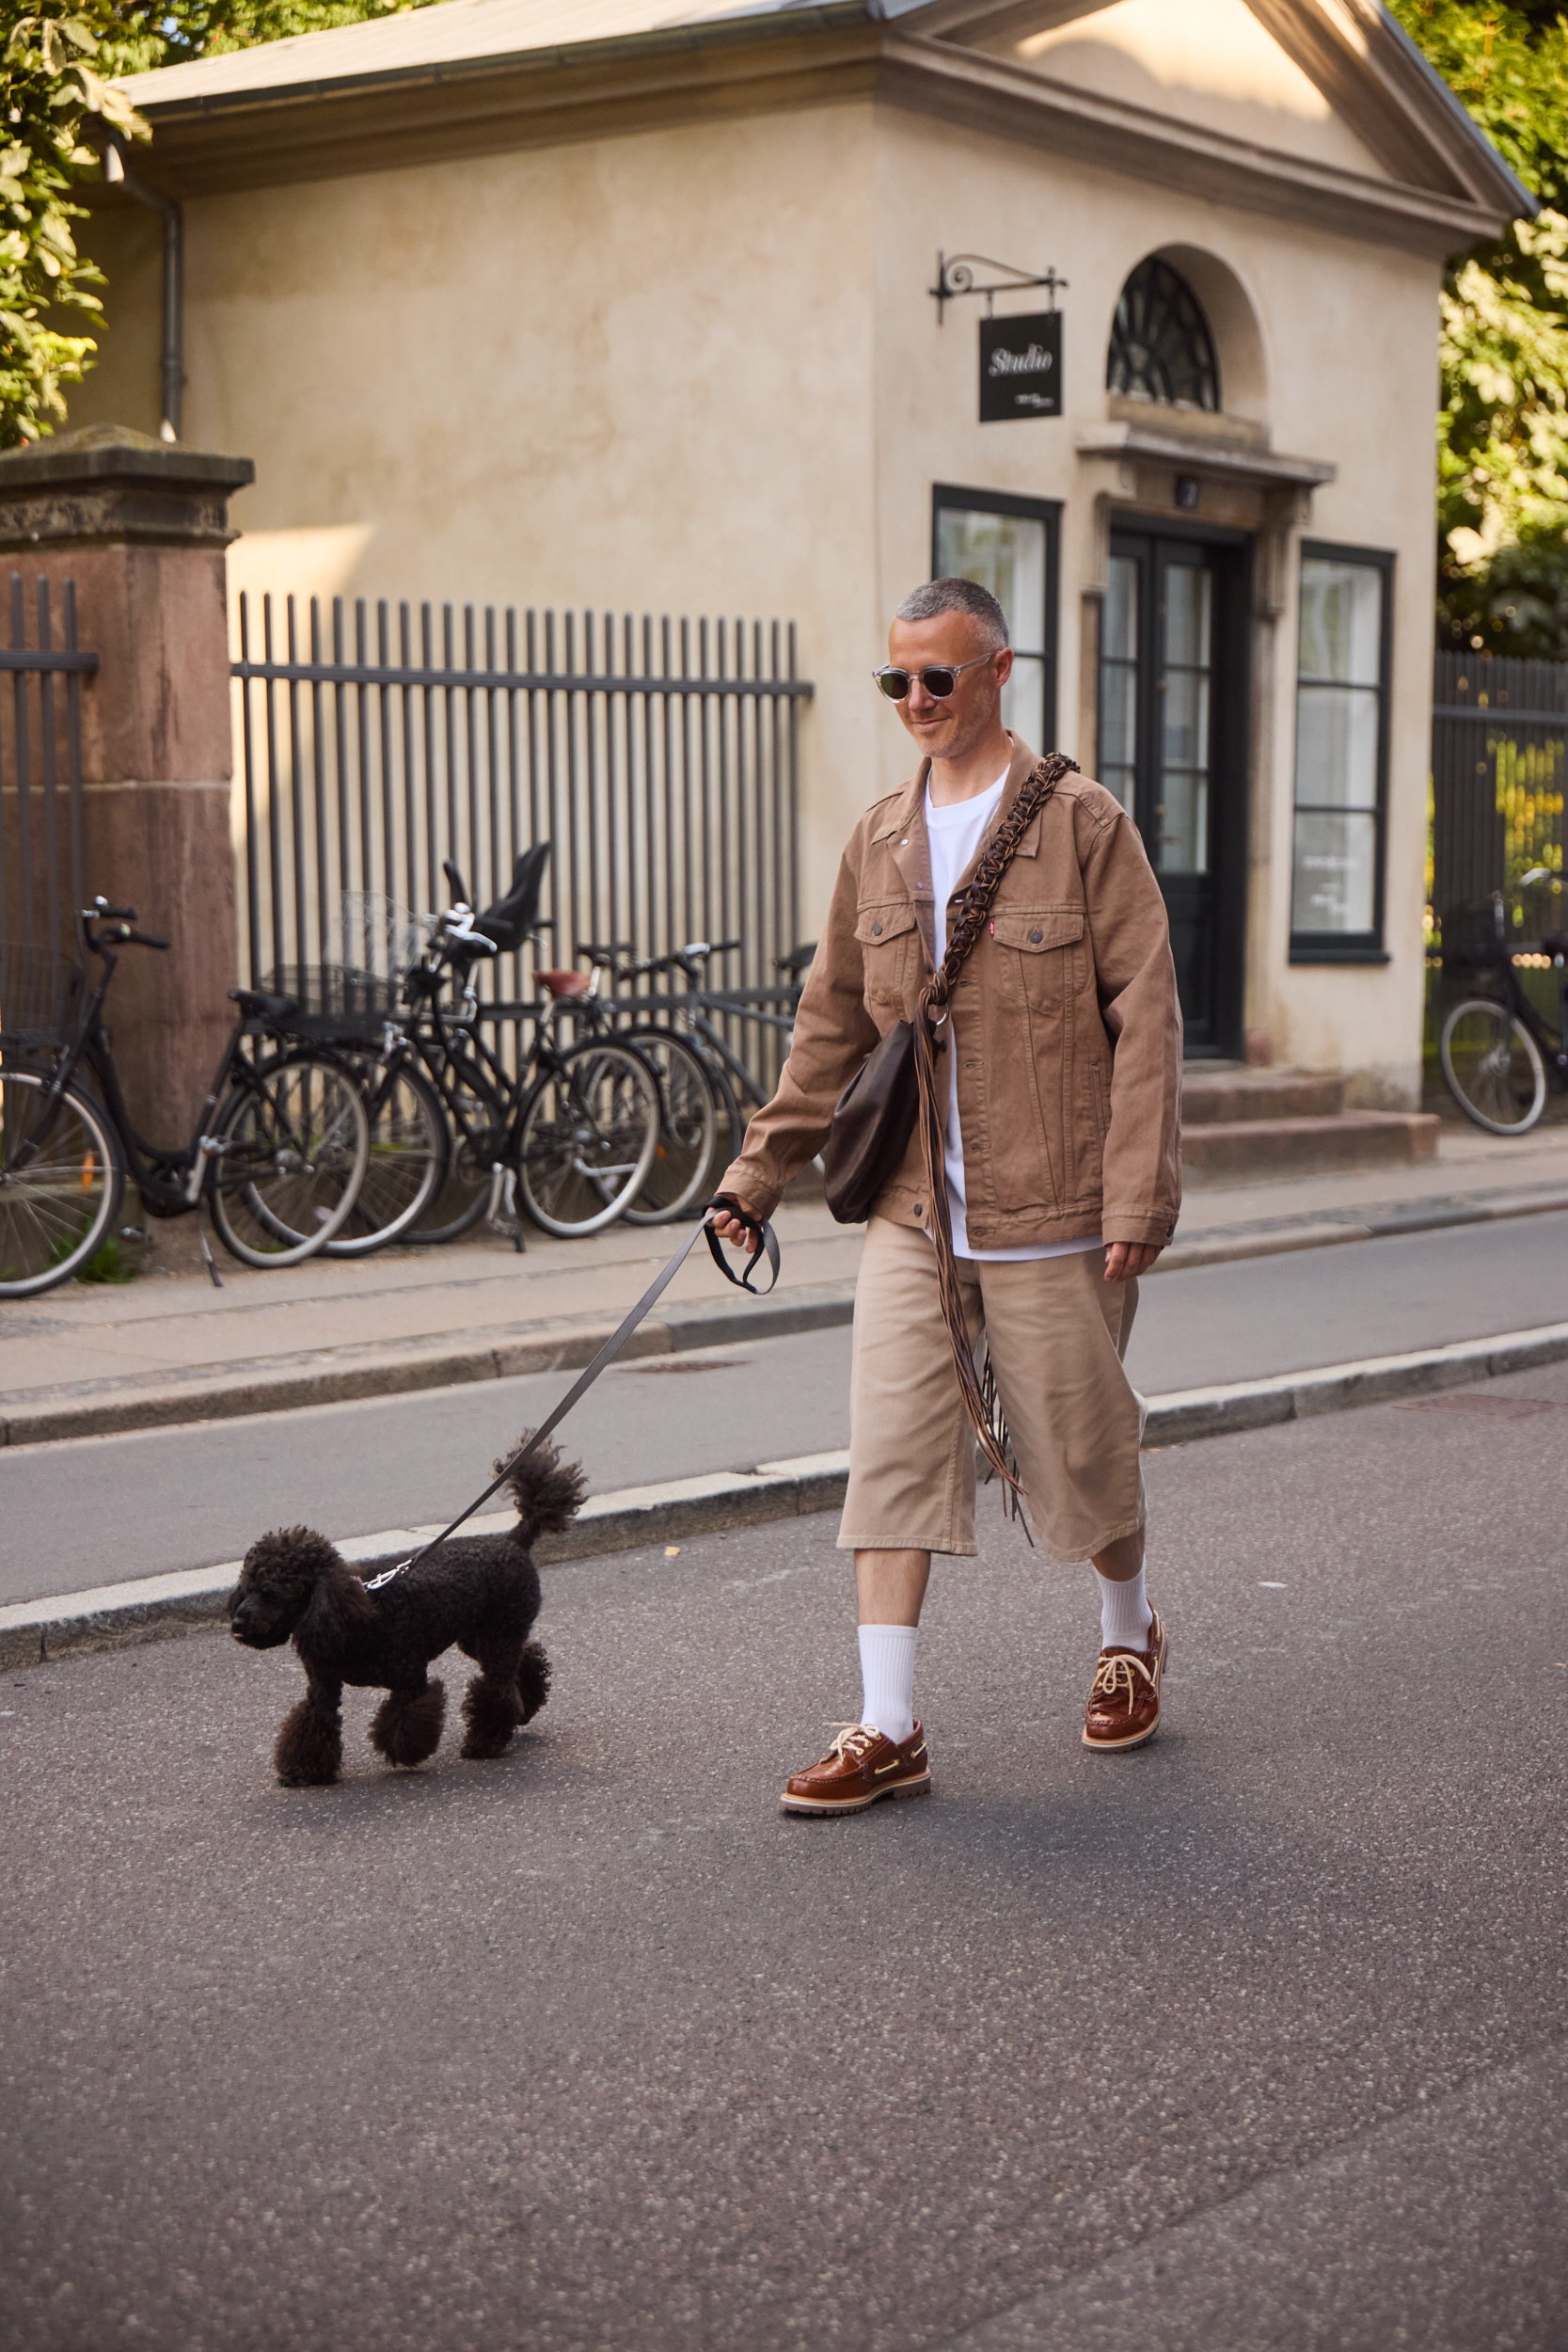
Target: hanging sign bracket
(956,279)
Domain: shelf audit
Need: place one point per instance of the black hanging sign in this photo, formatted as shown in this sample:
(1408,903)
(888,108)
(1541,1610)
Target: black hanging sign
(1021,367)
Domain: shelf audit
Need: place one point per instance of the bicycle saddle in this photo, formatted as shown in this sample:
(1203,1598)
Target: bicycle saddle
(258,1006)
(566,983)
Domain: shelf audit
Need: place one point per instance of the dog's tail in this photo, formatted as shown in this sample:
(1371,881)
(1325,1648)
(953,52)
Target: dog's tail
(548,1493)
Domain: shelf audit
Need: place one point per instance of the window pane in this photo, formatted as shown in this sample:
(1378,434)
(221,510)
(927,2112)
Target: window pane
(1183,819)
(1119,782)
(1118,715)
(1185,735)
(1121,610)
(1005,554)
(1342,621)
(1336,874)
(1337,747)
(1188,593)
(1023,701)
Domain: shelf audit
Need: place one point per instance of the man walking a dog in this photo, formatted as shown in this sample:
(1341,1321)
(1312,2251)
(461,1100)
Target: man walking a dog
(1057,1079)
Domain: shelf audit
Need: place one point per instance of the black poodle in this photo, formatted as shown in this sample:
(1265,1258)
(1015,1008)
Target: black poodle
(478,1591)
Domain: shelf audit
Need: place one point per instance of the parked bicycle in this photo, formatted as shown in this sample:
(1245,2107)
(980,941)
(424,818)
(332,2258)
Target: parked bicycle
(568,1139)
(277,1152)
(687,1020)
(1498,1052)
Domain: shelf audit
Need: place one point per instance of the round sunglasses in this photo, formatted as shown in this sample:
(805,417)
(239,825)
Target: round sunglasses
(938,679)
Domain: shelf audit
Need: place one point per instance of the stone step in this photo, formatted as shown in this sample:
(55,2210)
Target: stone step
(1211,1098)
(1225,1151)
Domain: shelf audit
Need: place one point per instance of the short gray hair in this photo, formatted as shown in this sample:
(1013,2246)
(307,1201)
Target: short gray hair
(956,595)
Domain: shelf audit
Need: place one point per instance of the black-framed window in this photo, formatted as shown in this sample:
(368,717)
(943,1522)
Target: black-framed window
(1341,774)
(1161,346)
(1012,547)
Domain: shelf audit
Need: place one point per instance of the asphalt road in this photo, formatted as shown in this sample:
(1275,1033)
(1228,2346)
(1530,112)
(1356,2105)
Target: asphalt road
(92,1511)
(1252,2039)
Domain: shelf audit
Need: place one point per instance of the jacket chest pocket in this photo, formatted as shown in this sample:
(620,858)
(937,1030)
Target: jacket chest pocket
(1038,964)
(885,928)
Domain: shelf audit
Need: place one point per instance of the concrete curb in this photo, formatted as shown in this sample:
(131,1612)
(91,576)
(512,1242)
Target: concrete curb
(277,1384)
(152,1608)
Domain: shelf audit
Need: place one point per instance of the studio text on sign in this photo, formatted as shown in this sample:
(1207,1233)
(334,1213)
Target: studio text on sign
(1021,367)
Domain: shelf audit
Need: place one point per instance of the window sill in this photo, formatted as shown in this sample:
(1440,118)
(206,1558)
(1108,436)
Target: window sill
(1338,951)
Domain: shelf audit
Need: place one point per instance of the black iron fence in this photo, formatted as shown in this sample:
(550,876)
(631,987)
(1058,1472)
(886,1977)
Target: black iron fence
(41,671)
(1500,769)
(659,758)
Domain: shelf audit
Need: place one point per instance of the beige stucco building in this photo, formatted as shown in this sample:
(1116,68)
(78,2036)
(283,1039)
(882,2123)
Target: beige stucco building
(623,303)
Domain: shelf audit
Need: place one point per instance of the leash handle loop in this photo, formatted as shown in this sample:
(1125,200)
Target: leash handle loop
(765,1236)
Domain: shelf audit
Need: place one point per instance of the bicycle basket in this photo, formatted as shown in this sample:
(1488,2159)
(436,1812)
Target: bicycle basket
(39,992)
(334,1001)
(376,935)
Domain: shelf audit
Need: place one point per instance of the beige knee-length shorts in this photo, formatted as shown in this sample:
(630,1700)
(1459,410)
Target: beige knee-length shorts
(1056,1331)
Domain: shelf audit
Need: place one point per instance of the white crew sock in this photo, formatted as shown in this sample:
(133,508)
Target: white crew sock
(1125,1616)
(887,1673)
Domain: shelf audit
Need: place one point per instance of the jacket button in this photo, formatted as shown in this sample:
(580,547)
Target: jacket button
(920,1208)
(876,930)
(1035,938)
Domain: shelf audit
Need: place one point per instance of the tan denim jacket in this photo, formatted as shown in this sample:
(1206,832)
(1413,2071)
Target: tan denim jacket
(1064,1034)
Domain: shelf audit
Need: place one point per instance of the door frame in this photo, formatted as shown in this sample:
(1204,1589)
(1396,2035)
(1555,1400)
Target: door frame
(1231,729)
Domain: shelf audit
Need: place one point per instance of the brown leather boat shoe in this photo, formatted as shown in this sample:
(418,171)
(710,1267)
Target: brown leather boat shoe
(1124,1703)
(861,1766)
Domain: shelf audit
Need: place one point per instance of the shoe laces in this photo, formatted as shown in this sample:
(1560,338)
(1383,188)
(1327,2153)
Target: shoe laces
(1113,1677)
(853,1740)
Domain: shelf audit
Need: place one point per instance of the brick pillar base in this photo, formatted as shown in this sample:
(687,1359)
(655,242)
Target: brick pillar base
(141,527)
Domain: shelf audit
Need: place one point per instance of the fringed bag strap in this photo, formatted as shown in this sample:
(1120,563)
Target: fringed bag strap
(979,1396)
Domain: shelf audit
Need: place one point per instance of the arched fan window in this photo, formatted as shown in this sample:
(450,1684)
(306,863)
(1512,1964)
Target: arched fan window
(1160,347)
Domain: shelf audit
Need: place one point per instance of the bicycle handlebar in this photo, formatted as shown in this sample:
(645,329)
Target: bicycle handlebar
(123,936)
(102,911)
(695,952)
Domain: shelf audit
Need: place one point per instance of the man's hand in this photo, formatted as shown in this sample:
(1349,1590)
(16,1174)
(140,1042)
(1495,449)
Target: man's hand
(1126,1260)
(730,1229)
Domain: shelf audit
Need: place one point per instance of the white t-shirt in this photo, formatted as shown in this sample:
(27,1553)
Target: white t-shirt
(955,835)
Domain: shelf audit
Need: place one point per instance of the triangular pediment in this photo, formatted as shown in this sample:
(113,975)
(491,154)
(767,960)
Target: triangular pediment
(1207,62)
(1332,85)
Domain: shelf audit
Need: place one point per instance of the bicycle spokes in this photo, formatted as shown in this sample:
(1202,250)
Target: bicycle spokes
(58,1182)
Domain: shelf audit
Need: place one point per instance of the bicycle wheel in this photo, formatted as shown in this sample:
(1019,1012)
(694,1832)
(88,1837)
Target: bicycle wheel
(677,1183)
(407,1166)
(1493,1067)
(588,1139)
(293,1144)
(476,1121)
(61,1182)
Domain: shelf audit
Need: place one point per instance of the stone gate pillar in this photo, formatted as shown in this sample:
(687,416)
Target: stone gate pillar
(141,527)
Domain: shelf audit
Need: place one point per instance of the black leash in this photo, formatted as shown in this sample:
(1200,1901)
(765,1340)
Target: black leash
(612,1348)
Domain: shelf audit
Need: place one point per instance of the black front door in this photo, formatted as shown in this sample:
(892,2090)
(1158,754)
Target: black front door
(1173,726)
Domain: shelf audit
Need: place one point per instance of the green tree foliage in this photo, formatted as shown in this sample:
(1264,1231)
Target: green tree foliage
(58,105)
(1503,428)
(169,32)
(54,95)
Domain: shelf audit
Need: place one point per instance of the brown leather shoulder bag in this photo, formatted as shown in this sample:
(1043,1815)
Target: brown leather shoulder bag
(875,1115)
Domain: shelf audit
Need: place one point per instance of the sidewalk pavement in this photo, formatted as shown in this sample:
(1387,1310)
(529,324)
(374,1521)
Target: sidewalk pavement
(167,1348)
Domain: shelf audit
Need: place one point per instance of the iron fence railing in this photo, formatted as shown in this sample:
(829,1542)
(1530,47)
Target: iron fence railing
(659,758)
(41,818)
(1499,766)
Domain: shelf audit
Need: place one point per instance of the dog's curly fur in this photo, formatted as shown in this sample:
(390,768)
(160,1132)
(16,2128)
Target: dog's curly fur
(478,1591)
